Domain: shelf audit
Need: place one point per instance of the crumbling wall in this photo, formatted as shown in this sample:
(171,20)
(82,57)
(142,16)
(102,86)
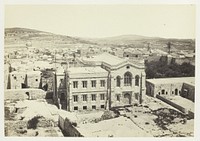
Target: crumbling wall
(16,80)
(33,80)
(21,94)
(68,128)
(182,109)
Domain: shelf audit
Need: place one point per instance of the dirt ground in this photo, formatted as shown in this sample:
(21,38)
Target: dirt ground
(152,118)
(116,127)
(31,118)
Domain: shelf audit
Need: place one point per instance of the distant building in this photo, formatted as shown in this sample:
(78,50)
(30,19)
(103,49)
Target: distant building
(183,86)
(106,81)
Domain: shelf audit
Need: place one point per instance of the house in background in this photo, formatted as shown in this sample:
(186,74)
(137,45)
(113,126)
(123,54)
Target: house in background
(182,86)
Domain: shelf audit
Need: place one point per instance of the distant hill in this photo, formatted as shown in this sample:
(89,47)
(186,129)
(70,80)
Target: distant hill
(47,39)
(142,41)
(38,38)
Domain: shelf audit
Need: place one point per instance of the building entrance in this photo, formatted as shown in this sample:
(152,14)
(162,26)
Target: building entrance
(127,99)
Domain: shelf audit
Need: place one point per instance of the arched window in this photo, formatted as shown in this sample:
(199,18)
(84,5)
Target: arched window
(127,79)
(137,80)
(118,81)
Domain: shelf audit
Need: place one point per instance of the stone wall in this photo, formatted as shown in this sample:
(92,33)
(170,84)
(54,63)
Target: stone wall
(21,94)
(67,128)
(163,88)
(182,109)
(188,91)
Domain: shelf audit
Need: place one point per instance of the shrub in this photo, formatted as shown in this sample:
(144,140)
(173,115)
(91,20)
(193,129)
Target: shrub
(32,123)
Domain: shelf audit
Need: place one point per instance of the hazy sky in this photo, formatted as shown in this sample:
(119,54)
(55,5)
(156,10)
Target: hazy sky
(171,21)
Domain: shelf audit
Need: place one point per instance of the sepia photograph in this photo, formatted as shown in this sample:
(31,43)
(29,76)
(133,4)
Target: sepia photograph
(99,70)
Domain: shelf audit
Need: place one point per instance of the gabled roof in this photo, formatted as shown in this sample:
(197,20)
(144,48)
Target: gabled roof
(86,70)
(106,58)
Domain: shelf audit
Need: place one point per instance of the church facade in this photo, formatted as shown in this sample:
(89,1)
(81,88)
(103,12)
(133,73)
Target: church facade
(104,82)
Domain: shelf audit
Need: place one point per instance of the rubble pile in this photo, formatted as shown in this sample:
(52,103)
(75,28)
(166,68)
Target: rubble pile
(167,116)
(109,115)
(39,121)
(31,118)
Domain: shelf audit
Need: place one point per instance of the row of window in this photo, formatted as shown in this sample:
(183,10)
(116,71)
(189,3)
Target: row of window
(85,97)
(127,80)
(85,107)
(85,84)
(173,92)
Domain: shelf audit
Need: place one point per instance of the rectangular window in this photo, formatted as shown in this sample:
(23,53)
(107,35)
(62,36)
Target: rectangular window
(93,83)
(84,107)
(75,84)
(102,106)
(118,97)
(84,84)
(93,97)
(75,108)
(75,97)
(102,97)
(84,97)
(93,107)
(102,83)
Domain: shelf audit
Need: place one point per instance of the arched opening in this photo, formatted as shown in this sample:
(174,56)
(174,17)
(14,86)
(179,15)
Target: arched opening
(137,80)
(127,79)
(62,100)
(163,91)
(23,86)
(118,81)
(127,98)
(176,91)
(62,96)
(45,87)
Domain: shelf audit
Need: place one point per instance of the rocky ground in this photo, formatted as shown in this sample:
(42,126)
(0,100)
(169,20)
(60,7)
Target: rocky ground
(153,118)
(31,118)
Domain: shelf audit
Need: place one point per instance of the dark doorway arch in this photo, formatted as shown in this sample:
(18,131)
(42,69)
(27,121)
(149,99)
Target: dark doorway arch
(23,86)
(127,98)
(45,87)
(176,91)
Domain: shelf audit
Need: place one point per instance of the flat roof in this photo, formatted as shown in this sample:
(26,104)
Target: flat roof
(107,58)
(86,70)
(189,105)
(26,72)
(171,80)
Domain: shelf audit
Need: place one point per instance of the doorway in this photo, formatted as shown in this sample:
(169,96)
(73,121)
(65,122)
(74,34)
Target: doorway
(127,98)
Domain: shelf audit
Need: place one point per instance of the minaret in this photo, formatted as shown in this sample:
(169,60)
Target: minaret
(148,46)
(140,100)
(169,47)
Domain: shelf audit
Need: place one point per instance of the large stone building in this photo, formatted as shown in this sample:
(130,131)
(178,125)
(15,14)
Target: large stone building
(182,86)
(105,81)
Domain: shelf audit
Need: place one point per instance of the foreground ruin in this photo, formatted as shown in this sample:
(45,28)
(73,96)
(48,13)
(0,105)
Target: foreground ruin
(41,118)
